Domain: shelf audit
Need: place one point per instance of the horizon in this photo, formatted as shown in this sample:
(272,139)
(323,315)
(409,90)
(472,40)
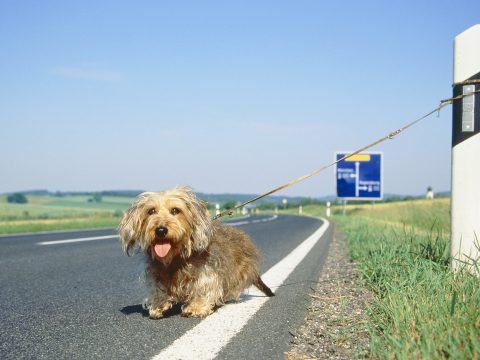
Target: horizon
(32,192)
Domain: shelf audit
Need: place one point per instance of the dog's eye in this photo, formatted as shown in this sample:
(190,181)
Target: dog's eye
(175,211)
(152,211)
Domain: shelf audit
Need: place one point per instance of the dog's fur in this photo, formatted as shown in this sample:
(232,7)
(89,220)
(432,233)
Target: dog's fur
(198,263)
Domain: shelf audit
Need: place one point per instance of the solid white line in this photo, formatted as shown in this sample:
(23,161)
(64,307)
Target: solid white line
(208,338)
(69,241)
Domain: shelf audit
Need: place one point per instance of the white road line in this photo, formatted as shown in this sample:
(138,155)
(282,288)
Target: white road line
(274,217)
(246,222)
(69,241)
(208,338)
(237,223)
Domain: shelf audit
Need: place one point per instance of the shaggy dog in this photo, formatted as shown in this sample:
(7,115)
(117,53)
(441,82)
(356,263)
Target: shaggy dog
(190,259)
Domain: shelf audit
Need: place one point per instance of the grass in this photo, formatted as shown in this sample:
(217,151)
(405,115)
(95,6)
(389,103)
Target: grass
(48,213)
(32,226)
(421,310)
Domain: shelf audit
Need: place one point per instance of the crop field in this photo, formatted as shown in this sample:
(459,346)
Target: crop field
(420,309)
(45,213)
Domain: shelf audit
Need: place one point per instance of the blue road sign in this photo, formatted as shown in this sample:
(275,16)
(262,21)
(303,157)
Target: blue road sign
(359,177)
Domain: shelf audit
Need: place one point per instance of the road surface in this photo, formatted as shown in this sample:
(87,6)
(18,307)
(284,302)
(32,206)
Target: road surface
(73,295)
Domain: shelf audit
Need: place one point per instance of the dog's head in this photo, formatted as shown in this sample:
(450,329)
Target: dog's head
(167,224)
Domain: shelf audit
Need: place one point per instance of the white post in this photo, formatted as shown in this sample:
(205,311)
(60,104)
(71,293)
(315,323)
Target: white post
(465,232)
(429,193)
(300,210)
(328,209)
(217,209)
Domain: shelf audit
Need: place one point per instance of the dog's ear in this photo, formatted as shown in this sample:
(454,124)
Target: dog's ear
(130,227)
(201,220)
(126,230)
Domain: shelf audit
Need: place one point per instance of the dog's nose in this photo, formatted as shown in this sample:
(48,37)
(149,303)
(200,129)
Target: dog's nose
(161,231)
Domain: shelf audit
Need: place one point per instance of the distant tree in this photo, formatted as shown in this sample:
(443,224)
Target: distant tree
(97,197)
(229,204)
(310,201)
(266,206)
(17,198)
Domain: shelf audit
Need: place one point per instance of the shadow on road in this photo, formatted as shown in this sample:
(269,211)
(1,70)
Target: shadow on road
(139,309)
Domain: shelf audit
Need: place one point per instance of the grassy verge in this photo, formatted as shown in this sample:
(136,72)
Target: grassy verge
(421,310)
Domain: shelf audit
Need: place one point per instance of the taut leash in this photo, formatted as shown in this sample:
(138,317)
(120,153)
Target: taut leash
(390,136)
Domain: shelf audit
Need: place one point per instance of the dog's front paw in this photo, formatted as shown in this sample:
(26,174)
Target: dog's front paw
(197,310)
(157,312)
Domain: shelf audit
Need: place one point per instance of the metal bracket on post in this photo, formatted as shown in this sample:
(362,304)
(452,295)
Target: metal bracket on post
(468,109)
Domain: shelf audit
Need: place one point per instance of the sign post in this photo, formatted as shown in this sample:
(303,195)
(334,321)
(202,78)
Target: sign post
(465,224)
(360,176)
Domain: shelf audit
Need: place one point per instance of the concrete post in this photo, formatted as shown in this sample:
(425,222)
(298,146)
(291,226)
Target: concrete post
(465,231)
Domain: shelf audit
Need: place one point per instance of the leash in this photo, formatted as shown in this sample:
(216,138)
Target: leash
(390,136)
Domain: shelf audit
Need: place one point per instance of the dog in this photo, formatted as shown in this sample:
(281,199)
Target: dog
(191,259)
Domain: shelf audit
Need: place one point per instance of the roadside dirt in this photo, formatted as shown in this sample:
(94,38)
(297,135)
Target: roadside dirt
(335,326)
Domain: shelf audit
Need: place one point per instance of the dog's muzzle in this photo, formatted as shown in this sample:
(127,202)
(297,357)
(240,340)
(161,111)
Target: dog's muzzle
(162,245)
(161,231)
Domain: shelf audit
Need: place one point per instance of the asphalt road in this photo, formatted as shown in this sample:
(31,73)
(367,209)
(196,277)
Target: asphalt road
(82,300)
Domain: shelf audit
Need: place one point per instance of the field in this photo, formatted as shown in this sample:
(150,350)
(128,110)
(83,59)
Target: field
(421,310)
(46,213)
(50,213)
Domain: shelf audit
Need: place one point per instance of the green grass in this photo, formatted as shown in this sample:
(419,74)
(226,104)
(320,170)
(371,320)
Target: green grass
(108,202)
(46,213)
(56,224)
(420,309)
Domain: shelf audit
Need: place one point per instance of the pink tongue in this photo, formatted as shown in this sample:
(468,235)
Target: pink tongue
(162,248)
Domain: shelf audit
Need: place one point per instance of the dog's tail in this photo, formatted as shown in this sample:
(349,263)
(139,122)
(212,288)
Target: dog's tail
(264,288)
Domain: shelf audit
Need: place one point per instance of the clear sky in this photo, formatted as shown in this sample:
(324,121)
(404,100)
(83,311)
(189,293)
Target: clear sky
(224,96)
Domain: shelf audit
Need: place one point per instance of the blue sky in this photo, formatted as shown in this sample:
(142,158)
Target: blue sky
(224,96)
